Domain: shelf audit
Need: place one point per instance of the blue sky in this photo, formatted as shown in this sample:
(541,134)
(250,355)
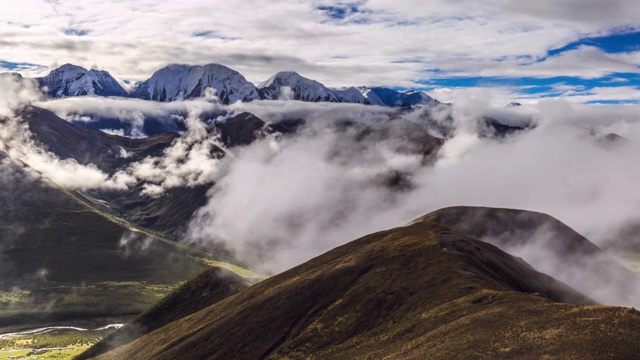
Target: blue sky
(585,51)
(555,86)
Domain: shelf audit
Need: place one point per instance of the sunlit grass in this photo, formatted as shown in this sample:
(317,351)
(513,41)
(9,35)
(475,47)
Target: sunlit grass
(13,296)
(57,344)
(630,260)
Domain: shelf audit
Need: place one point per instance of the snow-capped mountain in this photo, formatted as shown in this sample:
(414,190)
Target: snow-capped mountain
(404,98)
(72,80)
(289,85)
(181,82)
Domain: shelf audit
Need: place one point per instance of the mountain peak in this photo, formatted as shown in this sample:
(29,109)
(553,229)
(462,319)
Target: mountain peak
(69,66)
(182,82)
(289,85)
(291,75)
(351,95)
(73,80)
(285,77)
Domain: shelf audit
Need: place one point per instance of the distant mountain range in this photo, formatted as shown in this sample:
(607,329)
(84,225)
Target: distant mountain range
(184,82)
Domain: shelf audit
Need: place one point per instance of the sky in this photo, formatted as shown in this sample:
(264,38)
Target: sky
(587,51)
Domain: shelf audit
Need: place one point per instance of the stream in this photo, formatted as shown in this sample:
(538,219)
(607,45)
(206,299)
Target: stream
(53,328)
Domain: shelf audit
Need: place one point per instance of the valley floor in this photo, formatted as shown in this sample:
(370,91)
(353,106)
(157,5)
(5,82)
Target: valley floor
(50,343)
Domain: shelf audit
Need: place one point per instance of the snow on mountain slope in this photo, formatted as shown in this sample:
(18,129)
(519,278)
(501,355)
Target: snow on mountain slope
(350,95)
(289,84)
(181,82)
(371,96)
(72,80)
(404,98)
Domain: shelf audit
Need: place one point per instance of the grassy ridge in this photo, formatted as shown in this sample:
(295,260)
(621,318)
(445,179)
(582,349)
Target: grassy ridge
(415,292)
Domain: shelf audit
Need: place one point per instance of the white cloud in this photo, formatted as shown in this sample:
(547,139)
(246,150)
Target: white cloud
(19,144)
(282,203)
(191,160)
(386,43)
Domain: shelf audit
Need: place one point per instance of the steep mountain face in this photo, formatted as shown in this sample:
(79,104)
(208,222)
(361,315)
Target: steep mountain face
(71,80)
(90,146)
(414,292)
(242,129)
(58,247)
(170,212)
(206,289)
(289,85)
(371,96)
(404,137)
(182,82)
(351,95)
(404,98)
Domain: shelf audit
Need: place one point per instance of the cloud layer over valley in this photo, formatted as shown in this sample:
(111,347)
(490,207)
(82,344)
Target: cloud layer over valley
(284,199)
(282,202)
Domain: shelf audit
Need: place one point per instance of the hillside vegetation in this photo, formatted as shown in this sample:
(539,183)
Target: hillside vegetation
(412,292)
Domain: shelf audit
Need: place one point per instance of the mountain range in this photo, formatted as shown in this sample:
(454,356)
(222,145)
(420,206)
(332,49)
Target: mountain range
(183,82)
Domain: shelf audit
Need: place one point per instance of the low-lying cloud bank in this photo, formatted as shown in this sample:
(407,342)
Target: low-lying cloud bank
(283,200)
(191,160)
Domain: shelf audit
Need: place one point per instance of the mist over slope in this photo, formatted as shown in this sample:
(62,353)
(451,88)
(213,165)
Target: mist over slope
(315,191)
(63,262)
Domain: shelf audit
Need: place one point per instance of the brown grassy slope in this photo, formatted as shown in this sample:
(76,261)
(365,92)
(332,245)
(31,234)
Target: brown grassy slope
(90,146)
(512,227)
(204,290)
(567,255)
(419,291)
(167,213)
